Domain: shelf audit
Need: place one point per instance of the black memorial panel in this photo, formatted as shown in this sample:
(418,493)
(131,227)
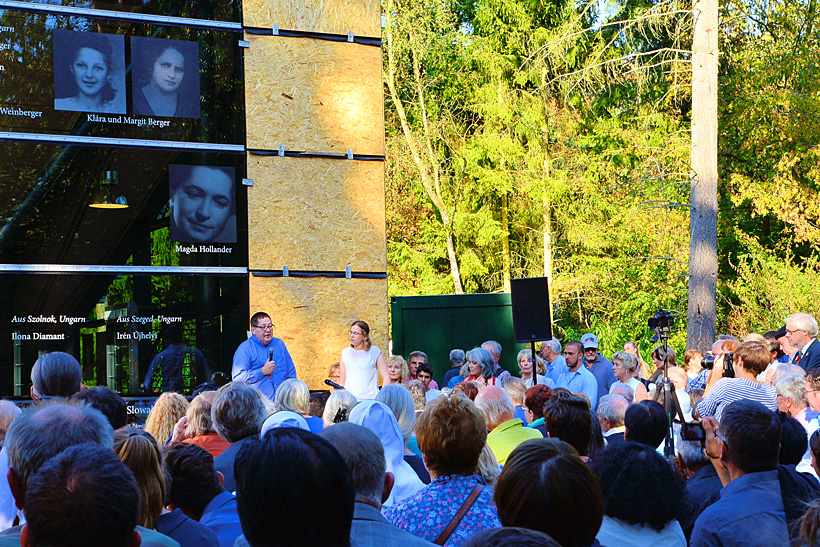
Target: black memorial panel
(100,78)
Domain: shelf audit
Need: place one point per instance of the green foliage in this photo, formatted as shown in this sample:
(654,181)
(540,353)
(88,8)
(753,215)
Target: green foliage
(769,288)
(536,135)
(553,126)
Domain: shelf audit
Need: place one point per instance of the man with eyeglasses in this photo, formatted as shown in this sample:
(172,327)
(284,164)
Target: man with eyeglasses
(262,360)
(801,332)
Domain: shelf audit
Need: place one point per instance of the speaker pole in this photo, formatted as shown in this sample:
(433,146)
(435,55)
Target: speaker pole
(534,365)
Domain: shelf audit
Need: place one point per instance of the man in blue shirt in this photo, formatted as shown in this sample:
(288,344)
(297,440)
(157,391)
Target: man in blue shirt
(744,452)
(598,365)
(576,377)
(262,360)
(553,360)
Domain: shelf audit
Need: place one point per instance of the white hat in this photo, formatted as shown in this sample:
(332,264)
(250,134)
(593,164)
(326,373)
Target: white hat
(589,340)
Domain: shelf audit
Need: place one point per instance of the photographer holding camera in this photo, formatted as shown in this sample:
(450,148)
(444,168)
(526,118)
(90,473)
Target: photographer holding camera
(749,360)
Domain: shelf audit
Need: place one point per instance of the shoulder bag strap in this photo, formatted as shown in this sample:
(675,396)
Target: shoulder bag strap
(445,535)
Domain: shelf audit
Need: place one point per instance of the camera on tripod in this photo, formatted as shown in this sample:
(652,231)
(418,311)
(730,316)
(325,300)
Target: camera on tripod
(708,363)
(662,322)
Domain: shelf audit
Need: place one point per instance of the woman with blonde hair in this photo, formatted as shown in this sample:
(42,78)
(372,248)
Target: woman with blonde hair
(624,365)
(139,452)
(645,370)
(167,411)
(525,370)
(334,375)
(198,427)
(294,395)
(397,369)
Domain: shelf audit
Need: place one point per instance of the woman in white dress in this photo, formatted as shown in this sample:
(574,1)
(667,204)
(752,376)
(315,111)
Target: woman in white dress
(362,363)
(624,365)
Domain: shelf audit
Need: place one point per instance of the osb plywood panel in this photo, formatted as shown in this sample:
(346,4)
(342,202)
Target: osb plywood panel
(362,17)
(313,95)
(316,214)
(313,315)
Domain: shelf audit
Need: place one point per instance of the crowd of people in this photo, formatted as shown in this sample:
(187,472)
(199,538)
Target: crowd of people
(571,453)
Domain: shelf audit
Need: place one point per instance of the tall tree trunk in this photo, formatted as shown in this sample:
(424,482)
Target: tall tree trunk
(426,164)
(703,265)
(505,242)
(547,213)
(546,209)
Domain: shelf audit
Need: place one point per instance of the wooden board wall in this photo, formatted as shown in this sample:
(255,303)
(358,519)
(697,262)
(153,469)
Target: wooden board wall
(313,315)
(362,17)
(313,95)
(316,214)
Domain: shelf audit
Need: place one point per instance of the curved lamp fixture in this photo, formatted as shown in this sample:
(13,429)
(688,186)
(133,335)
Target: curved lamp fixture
(103,197)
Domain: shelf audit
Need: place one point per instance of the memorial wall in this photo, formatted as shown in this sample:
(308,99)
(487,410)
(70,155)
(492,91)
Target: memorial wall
(170,170)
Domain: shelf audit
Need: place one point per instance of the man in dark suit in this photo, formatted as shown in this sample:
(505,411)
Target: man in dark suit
(801,332)
(362,451)
(238,413)
(611,410)
(702,487)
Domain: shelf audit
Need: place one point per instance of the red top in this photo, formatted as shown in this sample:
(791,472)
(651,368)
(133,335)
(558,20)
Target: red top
(211,442)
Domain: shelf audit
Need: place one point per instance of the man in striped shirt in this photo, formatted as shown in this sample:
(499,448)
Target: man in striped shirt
(750,359)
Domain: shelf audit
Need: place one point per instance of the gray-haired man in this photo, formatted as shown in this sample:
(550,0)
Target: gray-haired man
(46,431)
(553,360)
(456,360)
(362,451)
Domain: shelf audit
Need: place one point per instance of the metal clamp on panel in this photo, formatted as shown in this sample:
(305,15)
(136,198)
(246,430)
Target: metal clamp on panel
(281,150)
(350,153)
(244,43)
(285,272)
(348,272)
(275,29)
(247,182)
(350,36)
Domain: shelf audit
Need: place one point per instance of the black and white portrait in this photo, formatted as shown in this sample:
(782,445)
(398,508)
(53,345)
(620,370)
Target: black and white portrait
(203,204)
(166,77)
(89,72)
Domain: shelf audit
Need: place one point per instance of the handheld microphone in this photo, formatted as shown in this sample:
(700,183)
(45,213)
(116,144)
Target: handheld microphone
(331,383)
(270,354)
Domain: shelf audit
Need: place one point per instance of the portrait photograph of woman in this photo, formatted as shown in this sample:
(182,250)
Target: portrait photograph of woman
(203,204)
(89,72)
(165,77)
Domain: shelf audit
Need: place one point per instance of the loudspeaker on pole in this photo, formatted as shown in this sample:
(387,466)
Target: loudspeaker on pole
(531,309)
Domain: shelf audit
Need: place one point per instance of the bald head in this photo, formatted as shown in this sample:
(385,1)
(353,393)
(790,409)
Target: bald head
(679,378)
(496,405)
(363,453)
(624,391)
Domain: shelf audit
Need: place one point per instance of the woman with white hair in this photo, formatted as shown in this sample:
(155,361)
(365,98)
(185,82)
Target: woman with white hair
(624,365)
(482,367)
(791,397)
(378,418)
(399,400)
(338,407)
(294,395)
